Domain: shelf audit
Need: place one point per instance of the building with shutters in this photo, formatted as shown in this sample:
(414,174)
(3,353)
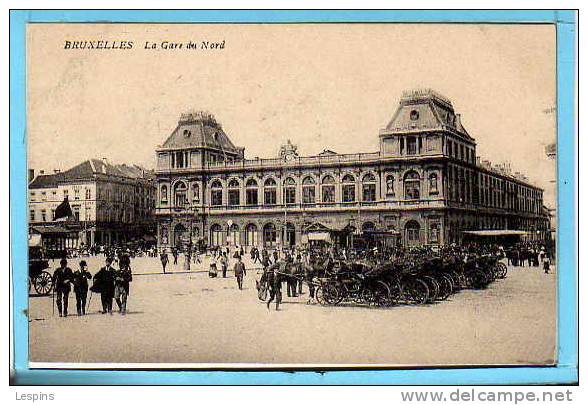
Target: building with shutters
(110,203)
(425,185)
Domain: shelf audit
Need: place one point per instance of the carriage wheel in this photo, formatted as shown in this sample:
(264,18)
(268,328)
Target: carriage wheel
(381,295)
(328,294)
(43,283)
(446,287)
(501,270)
(417,292)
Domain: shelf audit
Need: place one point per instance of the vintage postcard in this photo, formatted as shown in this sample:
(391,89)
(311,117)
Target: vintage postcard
(291,195)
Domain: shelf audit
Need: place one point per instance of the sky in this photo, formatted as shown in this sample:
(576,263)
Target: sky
(323,86)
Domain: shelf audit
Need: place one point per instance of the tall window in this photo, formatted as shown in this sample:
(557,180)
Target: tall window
(233,234)
(195,193)
(269,235)
(88,194)
(269,192)
(308,190)
(43,216)
(251,192)
(411,145)
(290,191)
(233,193)
(328,189)
(348,188)
(433,187)
(412,186)
(216,193)
(32,215)
(180,194)
(434,234)
(216,235)
(412,230)
(368,188)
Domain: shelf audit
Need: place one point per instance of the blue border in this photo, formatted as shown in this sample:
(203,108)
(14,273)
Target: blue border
(566,370)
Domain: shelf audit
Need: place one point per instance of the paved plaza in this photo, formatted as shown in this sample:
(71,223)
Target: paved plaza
(190,318)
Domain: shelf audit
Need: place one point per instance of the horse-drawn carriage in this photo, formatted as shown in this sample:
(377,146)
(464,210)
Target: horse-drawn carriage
(417,279)
(39,279)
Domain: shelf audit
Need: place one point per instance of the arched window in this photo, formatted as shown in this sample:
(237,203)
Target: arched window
(233,234)
(412,186)
(290,191)
(180,194)
(251,235)
(368,188)
(251,192)
(412,233)
(308,190)
(348,188)
(195,193)
(270,192)
(233,193)
(328,189)
(216,235)
(216,193)
(433,188)
(390,185)
(269,235)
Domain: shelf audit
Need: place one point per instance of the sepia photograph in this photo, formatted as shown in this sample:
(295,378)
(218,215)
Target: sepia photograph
(309,195)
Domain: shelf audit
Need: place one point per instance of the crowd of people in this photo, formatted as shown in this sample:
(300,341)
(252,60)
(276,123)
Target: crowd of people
(109,282)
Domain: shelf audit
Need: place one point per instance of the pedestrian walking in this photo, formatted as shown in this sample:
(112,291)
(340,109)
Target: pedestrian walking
(62,279)
(104,284)
(224,261)
(175,255)
(122,280)
(546,264)
(240,272)
(212,271)
(164,259)
(276,256)
(80,282)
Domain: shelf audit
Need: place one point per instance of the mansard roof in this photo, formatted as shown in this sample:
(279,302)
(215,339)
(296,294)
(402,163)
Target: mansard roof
(425,110)
(199,130)
(86,171)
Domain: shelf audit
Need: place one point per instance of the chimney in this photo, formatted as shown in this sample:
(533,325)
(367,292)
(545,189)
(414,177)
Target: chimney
(55,171)
(31,174)
(41,172)
(104,164)
(478,159)
(457,120)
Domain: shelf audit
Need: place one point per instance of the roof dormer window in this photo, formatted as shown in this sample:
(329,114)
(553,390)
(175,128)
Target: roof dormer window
(414,115)
(187,133)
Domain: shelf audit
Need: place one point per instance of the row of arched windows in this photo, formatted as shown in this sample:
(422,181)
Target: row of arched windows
(326,190)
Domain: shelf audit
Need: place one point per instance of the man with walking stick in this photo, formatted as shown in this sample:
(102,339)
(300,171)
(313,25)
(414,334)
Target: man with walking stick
(104,284)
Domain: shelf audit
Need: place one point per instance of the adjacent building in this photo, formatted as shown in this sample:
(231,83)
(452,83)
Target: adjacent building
(425,185)
(110,203)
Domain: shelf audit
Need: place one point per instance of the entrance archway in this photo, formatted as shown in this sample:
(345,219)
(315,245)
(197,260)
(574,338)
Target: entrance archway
(412,231)
(251,235)
(290,235)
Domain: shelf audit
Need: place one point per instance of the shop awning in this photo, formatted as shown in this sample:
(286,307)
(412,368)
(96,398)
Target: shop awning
(495,232)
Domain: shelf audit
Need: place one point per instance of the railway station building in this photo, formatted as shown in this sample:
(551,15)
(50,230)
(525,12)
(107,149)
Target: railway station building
(425,185)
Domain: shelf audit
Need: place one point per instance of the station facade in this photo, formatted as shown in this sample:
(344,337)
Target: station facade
(425,185)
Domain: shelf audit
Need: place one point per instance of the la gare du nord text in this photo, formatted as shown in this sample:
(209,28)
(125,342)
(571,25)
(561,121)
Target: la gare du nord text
(124,45)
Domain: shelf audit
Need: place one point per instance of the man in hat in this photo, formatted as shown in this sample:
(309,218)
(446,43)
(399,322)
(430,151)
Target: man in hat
(240,272)
(122,280)
(104,284)
(80,282)
(62,277)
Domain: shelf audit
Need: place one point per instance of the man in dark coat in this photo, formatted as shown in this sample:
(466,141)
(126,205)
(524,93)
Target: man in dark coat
(164,259)
(104,284)
(80,282)
(122,280)
(62,277)
(239,272)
